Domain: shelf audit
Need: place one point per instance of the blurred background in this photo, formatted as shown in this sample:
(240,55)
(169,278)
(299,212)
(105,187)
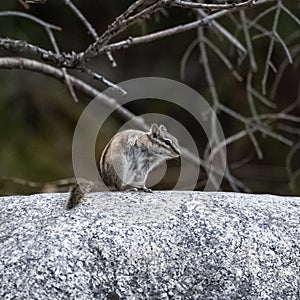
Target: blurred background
(38,115)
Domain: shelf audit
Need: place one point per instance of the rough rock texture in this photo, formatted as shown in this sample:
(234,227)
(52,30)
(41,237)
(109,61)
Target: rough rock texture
(165,245)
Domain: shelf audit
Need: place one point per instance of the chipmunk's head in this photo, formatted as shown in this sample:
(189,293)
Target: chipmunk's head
(163,143)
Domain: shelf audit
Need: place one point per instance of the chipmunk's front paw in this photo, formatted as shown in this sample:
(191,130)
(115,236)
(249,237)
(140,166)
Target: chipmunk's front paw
(135,189)
(131,189)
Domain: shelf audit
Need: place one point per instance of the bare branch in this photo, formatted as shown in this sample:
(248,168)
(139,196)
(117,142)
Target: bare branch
(48,27)
(120,24)
(36,1)
(223,31)
(161,34)
(36,66)
(207,19)
(259,125)
(248,41)
(244,133)
(188,4)
(71,60)
(64,60)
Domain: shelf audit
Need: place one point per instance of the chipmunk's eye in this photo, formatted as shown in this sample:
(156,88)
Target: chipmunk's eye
(167,142)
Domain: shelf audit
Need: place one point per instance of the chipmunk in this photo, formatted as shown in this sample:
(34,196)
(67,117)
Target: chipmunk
(128,158)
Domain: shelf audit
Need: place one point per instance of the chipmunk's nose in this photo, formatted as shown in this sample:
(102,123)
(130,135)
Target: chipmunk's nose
(179,152)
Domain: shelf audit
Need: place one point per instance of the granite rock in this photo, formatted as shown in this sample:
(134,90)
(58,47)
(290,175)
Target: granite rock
(164,245)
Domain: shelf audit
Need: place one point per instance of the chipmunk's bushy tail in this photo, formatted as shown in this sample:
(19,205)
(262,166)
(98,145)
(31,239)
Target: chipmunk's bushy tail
(77,193)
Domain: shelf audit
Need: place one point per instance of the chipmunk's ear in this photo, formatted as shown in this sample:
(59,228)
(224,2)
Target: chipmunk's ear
(162,128)
(154,130)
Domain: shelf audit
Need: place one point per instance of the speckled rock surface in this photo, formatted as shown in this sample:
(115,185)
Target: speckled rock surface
(165,245)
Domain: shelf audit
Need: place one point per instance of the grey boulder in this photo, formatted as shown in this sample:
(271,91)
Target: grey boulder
(165,245)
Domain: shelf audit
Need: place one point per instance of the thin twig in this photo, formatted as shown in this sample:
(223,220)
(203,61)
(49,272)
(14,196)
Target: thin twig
(224,59)
(250,98)
(242,162)
(222,30)
(276,136)
(293,179)
(280,116)
(229,140)
(260,97)
(48,27)
(111,59)
(284,46)
(188,4)
(293,17)
(233,113)
(30,17)
(248,41)
(67,81)
(254,142)
(292,176)
(243,133)
(294,51)
(289,129)
(258,126)
(104,80)
(24,4)
(35,184)
(83,19)
(166,32)
(271,47)
(185,58)
(120,24)
(214,138)
(261,15)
